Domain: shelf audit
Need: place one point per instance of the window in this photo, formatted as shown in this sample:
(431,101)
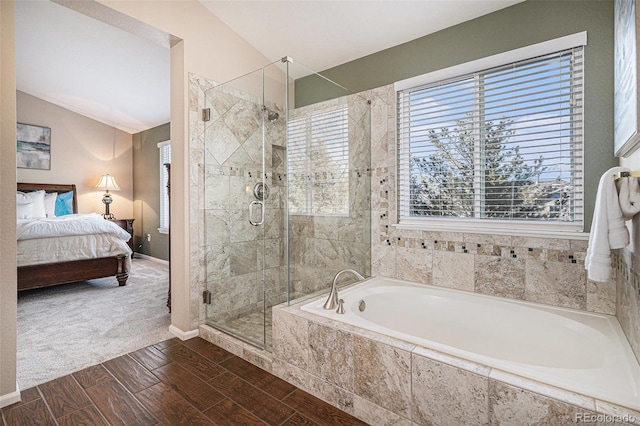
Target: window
(502,144)
(165,157)
(318,163)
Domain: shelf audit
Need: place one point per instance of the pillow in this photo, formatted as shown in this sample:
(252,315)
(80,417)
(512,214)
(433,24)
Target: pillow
(24,210)
(64,204)
(36,198)
(50,203)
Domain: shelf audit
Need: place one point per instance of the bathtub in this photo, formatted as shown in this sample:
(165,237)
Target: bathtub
(578,351)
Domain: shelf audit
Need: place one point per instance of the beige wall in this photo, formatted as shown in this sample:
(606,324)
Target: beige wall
(82,150)
(7,206)
(146,193)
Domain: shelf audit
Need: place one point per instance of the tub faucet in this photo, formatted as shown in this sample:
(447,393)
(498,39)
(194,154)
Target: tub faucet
(332,300)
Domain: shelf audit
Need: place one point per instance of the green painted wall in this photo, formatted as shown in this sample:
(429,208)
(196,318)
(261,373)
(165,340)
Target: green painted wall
(146,192)
(523,24)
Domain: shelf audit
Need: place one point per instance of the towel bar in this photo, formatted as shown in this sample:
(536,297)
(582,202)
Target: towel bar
(626,174)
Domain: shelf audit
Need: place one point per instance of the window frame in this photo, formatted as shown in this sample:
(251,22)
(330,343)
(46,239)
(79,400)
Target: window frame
(474,225)
(307,121)
(163,181)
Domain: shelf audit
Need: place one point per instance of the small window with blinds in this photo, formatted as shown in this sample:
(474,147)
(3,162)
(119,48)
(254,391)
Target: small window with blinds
(318,164)
(165,157)
(499,145)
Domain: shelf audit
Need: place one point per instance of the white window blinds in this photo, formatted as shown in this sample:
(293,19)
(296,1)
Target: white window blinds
(500,144)
(165,157)
(318,163)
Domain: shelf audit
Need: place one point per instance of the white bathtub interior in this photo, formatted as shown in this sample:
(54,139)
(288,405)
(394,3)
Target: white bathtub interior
(578,351)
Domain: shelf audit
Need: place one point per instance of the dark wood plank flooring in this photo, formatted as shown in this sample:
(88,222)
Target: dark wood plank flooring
(172,383)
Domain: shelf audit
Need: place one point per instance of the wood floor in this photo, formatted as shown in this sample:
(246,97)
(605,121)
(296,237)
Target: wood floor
(172,383)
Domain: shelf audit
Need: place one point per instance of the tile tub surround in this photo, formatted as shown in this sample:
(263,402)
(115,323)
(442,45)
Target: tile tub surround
(396,253)
(579,351)
(382,380)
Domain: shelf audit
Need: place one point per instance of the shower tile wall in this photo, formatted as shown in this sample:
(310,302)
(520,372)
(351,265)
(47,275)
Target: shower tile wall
(543,270)
(228,153)
(323,245)
(224,252)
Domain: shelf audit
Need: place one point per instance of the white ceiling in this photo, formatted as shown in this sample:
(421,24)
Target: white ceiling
(321,34)
(91,68)
(122,80)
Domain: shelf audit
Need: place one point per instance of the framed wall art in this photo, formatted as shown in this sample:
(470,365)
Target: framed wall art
(626,121)
(34,147)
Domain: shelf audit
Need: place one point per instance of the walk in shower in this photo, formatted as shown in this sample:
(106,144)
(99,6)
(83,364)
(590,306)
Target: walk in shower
(286,194)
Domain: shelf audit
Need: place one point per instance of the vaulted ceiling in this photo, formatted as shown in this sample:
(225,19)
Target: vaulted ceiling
(120,79)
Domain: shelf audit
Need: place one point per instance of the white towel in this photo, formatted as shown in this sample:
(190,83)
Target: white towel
(608,230)
(629,197)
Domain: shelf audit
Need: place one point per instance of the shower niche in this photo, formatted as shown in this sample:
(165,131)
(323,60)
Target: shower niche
(284,194)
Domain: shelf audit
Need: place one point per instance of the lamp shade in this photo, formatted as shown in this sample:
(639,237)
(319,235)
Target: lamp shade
(108,183)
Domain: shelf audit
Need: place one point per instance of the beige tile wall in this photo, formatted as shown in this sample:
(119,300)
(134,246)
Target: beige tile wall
(229,254)
(323,245)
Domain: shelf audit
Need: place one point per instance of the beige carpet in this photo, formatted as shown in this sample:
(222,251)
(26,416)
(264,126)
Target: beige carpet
(69,327)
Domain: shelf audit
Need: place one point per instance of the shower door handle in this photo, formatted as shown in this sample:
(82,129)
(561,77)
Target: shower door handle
(252,206)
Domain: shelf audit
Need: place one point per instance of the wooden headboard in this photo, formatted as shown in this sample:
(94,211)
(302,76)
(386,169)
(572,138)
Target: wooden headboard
(51,187)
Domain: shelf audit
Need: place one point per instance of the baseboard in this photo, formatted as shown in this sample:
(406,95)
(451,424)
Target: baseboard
(154,259)
(183,335)
(10,398)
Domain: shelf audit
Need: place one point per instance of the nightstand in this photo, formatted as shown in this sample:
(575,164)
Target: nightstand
(127,225)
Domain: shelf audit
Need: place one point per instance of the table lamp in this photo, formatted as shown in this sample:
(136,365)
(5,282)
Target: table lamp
(107,182)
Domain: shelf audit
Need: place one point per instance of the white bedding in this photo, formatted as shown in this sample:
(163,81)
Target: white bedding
(71,237)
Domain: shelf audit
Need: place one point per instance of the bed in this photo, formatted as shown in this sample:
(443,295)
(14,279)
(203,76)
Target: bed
(49,260)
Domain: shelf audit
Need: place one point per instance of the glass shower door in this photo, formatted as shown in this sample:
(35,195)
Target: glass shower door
(236,207)
(286,194)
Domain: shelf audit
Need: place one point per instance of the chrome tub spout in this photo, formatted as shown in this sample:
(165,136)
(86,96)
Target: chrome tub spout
(332,300)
